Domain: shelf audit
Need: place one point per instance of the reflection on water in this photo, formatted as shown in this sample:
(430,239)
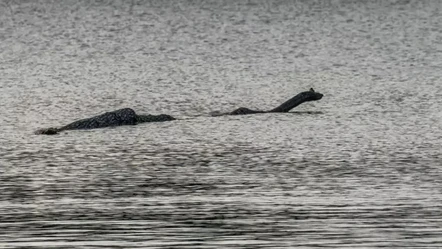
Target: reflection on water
(358,169)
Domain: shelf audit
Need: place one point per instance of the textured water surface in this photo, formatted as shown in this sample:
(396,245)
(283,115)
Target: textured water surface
(360,168)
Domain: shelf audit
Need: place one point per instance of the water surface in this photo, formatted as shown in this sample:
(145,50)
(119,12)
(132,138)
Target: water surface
(360,168)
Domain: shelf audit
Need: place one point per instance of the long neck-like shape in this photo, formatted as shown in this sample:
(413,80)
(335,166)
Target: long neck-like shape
(293,102)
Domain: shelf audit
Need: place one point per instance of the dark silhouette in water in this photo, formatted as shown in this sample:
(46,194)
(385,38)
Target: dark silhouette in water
(127,116)
(284,107)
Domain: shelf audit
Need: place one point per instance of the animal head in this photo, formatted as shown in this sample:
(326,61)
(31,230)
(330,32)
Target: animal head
(312,95)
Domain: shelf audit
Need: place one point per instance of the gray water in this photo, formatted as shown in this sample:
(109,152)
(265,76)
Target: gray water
(361,168)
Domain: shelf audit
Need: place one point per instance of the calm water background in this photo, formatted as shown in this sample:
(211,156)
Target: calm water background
(362,168)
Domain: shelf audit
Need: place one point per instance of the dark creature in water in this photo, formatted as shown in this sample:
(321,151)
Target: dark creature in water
(127,116)
(284,107)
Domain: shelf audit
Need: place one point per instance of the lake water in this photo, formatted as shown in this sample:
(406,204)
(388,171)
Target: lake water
(361,168)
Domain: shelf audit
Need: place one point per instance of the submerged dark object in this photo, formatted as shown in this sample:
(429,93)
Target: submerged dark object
(127,116)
